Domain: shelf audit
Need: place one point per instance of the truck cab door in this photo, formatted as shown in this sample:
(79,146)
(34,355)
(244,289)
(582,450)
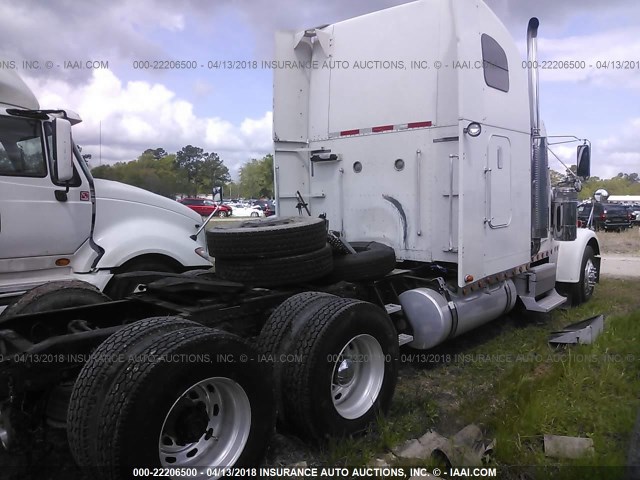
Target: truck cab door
(38,222)
(494,148)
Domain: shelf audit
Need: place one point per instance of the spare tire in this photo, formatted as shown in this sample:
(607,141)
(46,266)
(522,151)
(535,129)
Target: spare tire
(266,237)
(371,261)
(272,272)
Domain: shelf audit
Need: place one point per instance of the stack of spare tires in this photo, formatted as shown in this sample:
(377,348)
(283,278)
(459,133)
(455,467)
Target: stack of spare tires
(271,252)
(281,251)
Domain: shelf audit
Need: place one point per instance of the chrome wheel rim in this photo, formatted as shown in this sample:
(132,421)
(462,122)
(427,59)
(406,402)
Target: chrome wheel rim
(208,425)
(590,275)
(357,376)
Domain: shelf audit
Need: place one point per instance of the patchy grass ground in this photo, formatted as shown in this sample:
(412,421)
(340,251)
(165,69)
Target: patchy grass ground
(503,377)
(623,243)
(506,378)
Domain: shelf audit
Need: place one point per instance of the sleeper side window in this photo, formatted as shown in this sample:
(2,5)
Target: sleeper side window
(494,62)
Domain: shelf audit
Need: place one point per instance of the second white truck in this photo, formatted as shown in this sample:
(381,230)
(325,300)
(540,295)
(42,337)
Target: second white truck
(57,222)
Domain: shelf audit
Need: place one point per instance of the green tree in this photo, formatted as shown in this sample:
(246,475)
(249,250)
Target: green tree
(157,153)
(212,173)
(621,184)
(189,160)
(156,175)
(232,190)
(202,170)
(256,177)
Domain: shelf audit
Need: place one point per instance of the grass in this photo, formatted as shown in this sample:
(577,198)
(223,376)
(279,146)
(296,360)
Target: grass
(506,378)
(621,243)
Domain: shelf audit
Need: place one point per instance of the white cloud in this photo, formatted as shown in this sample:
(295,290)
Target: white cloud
(127,118)
(601,53)
(618,153)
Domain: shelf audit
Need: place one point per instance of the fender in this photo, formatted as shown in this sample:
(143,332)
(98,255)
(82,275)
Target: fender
(136,236)
(570,254)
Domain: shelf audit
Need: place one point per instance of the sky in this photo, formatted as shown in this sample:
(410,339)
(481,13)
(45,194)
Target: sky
(127,109)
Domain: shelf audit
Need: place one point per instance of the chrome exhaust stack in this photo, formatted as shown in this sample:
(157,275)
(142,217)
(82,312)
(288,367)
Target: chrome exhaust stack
(539,159)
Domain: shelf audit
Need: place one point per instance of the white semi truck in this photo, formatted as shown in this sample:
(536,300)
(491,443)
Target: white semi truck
(57,222)
(420,208)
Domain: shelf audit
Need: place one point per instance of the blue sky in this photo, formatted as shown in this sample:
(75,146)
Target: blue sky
(230,111)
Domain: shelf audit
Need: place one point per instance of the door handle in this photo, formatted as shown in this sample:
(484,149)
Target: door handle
(61,195)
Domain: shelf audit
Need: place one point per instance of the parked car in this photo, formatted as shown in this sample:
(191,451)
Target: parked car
(635,214)
(606,216)
(245,210)
(267,206)
(204,207)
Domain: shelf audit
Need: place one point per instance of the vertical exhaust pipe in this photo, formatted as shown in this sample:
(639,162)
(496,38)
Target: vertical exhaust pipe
(539,160)
(532,57)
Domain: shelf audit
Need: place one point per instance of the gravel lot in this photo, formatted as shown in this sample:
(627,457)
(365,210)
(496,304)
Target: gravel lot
(620,253)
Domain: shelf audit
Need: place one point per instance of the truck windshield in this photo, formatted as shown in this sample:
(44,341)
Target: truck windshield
(21,152)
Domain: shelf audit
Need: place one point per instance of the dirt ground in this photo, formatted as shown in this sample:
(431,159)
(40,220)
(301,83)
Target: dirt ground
(621,243)
(620,253)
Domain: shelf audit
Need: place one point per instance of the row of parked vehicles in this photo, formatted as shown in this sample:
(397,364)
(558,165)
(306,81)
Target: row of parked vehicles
(608,216)
(237,208)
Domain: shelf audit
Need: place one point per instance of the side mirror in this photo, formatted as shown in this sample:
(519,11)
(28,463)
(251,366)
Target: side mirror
(63,149)
(584,161)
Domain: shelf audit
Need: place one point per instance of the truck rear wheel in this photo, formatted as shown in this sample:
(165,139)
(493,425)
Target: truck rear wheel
(279,331)
(55,295)
(345,371)
(188,399)
(96,378)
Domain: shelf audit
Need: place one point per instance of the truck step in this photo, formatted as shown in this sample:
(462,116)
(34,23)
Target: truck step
(545,304)
(392,308)
(403,339)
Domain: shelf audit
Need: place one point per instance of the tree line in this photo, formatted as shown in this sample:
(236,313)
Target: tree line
(190,172)
(621,184)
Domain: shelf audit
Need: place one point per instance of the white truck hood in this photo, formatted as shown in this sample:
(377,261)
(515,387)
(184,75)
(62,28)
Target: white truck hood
(109,189)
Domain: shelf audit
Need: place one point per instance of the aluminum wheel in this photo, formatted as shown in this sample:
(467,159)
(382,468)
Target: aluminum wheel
(207,426)
(357,376)
(590,275)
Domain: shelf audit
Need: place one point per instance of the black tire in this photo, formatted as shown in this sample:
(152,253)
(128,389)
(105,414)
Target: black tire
(278,333)
(55,295)
(579,293)
(308,382)
(582,292)
(266,237)
(273,272)
(134,412)
(254,214)
(371,261)
(96,378)
(221,213)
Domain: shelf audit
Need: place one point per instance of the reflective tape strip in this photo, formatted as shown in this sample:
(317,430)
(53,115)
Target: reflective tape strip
(381,129)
